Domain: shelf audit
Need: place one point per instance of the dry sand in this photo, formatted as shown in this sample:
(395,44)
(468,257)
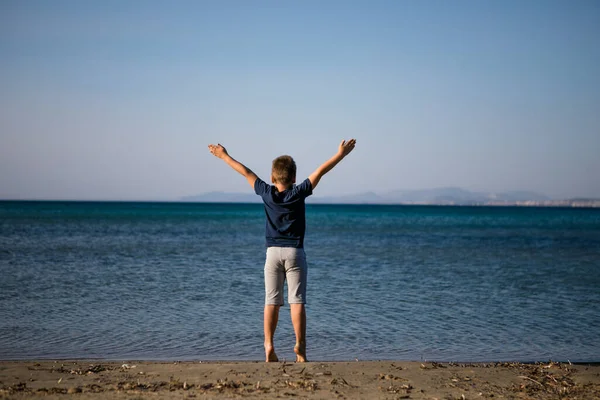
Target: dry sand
(313,380)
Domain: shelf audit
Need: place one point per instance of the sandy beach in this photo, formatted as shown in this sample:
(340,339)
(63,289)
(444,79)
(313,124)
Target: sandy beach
(313,380)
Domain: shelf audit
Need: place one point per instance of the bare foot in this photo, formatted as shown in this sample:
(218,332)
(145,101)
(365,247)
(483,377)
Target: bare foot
(270,354)
(300,351)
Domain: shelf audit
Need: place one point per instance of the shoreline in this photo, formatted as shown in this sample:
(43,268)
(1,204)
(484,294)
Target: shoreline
(101,379)
(99,360)
(586,204)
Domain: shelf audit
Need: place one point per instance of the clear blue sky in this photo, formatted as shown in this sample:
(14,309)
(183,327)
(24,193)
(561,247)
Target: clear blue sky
(119,99)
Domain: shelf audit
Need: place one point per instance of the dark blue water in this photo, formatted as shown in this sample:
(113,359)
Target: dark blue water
(183,281)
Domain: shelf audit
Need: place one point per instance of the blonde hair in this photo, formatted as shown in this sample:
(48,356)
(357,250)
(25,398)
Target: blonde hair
(284,170)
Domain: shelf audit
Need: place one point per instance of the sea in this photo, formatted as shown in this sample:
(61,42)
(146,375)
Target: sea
(184,281)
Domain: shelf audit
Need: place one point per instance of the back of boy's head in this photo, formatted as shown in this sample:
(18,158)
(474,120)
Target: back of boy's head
(284,170)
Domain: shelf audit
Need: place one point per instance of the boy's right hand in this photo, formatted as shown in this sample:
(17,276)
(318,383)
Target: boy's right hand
(346,147)
(217,150)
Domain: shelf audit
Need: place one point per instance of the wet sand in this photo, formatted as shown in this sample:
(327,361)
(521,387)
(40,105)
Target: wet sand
(313,380)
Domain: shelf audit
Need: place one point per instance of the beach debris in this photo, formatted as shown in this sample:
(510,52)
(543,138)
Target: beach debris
(94,388)
(175,383)
(396,366)
(552,364)
(532,380)
(239,386)
(52,390)
(127,366)
(91,369)
(402,389)
(283,367)
(94,369)
(20,387)
(432,365)
(125,386)
(172,385)
(59,381)
(226,386)
(139,386)
(307,384)
(552,379)
(540,381)
(340,381)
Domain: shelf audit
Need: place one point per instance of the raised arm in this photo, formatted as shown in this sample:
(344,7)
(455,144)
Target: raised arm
(343,150)
(220,152)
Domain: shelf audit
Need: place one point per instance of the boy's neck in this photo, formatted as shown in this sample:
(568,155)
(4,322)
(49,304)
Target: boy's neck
(282,188)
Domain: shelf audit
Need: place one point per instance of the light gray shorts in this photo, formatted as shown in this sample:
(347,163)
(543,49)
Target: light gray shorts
(285,263)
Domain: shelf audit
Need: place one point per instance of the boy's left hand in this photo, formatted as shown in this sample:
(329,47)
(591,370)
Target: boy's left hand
(217,150)
(346,147)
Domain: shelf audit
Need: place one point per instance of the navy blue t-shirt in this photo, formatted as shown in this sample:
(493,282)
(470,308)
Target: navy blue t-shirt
(286,213)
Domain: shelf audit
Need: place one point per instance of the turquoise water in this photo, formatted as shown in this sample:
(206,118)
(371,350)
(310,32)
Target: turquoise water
(181,281)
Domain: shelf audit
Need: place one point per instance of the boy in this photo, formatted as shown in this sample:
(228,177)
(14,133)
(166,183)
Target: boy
(285,227)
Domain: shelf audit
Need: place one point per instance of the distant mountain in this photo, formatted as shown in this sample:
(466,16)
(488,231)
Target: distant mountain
(442,196)
(524,196)
(360,198)
(454,195)
(435,196)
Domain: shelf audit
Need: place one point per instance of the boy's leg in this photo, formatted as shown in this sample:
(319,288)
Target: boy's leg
(274,278)
(296,271)
(299,321)
(270,321)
